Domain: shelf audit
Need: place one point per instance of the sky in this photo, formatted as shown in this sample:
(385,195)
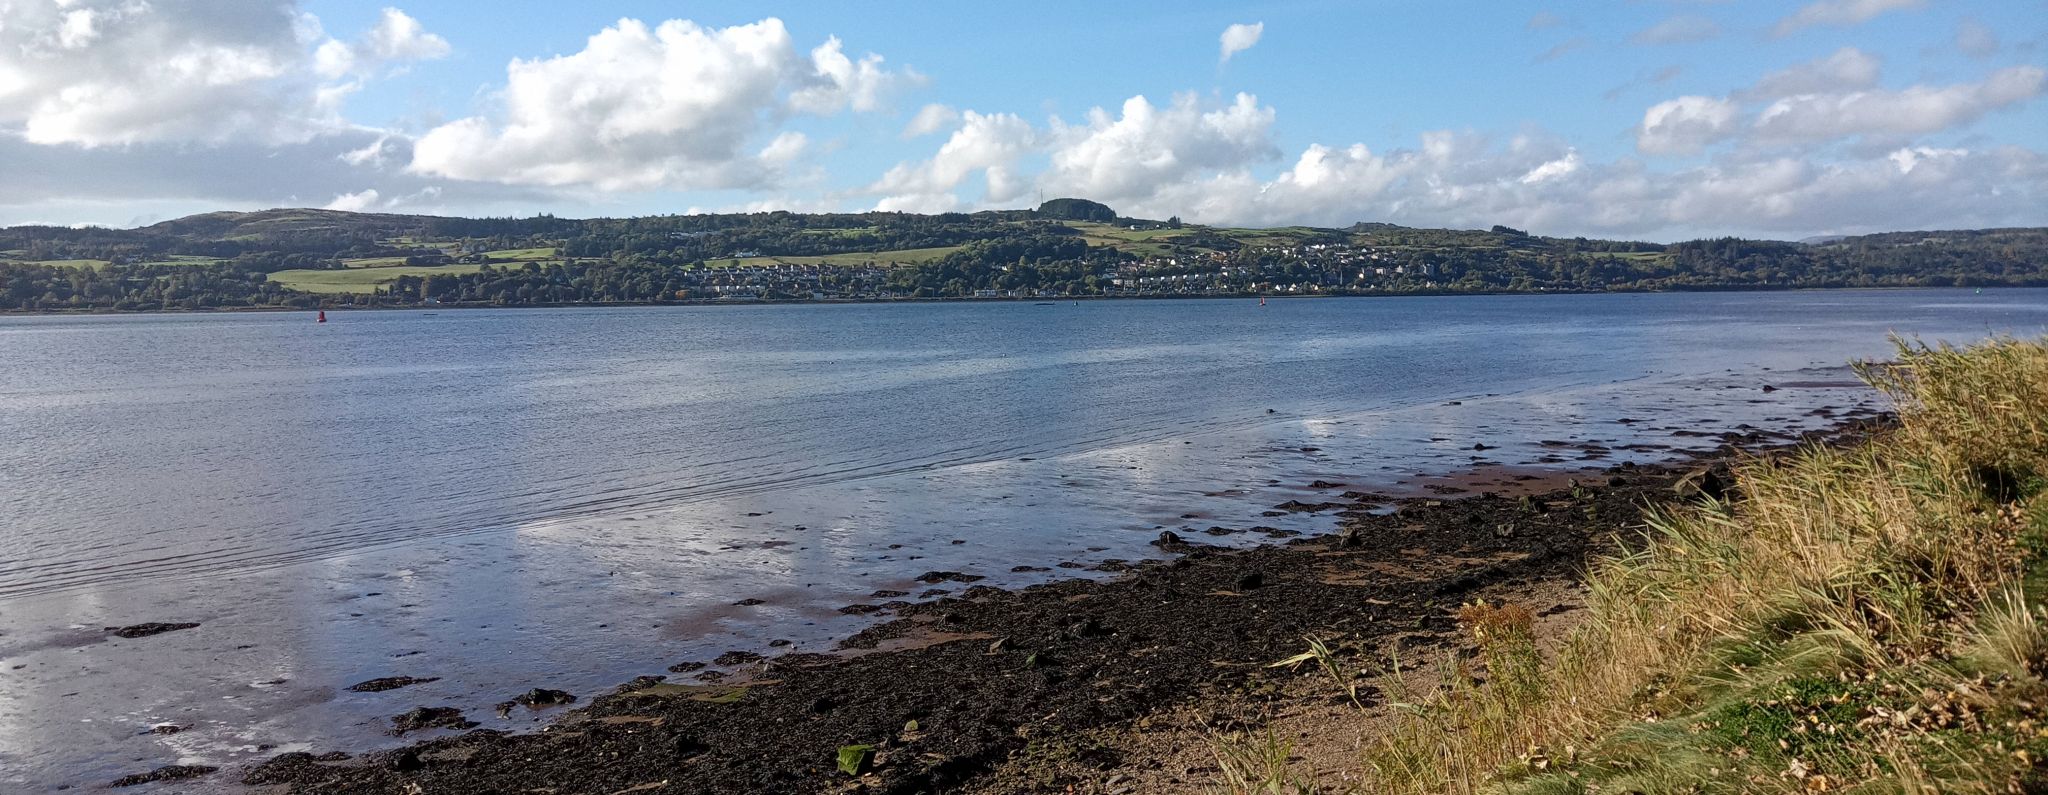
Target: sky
(1646,119)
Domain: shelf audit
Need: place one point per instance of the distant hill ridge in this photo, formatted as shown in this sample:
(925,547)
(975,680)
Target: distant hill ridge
(1065,247)
(227,225)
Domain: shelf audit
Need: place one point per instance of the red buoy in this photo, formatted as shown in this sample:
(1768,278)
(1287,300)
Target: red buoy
(323,316)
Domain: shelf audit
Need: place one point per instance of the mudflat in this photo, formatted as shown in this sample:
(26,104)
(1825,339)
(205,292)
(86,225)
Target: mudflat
(983,688)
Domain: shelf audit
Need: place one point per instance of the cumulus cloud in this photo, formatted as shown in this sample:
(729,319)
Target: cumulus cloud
(354,202)
(1680,29)
(1473,181)
(672,106)
(1206,160)
(986,144)
(113,72)
(1114,157)
(1839,13)
(126,72)
(1111,156)
(839,82)
(1238,38)
(1686,125)
(930,119)
(396,38)
(1126,155)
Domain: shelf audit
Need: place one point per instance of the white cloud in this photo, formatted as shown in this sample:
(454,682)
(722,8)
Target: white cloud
(1830,100)
(1132,155)
(127,72)
(786,148)
(108,184)
(1975,39)
(1680,29)
(1839,13)
(1686,125)
(930,119)
(840,82)
(1554,169)
(396,38)
(1469,181)
(115,72)
(638,108)
(354,202)
(1114,157)
(1910,111)
(988,144)
(1203,161)
(1238,38)
(1847,69)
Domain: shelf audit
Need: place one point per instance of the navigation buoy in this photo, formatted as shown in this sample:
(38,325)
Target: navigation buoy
(323,316)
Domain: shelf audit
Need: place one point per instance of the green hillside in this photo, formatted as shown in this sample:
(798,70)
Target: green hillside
(306,257)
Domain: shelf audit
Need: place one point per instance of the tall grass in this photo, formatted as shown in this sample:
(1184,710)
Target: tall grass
(1866,619)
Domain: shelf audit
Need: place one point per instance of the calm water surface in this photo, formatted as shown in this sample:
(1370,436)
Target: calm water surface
(569,498)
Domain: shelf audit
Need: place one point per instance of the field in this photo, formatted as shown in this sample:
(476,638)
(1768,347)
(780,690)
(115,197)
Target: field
(182,259)
(1143,242)
(523,254)
(373,262)
(73,263)
(359,280)
(173,259)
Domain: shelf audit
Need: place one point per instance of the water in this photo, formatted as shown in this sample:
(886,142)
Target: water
(568,498)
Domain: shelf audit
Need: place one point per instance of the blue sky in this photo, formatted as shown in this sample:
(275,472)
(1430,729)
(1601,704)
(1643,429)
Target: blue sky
(1636,119)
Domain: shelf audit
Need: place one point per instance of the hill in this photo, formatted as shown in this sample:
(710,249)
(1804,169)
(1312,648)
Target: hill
(1069,247)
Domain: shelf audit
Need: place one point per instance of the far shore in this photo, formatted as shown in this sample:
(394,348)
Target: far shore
(968,300)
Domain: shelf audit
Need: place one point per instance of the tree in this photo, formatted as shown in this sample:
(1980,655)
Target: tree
(1077,210)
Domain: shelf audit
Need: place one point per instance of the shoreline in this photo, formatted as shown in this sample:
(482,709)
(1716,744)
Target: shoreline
(4,313)
(957,691)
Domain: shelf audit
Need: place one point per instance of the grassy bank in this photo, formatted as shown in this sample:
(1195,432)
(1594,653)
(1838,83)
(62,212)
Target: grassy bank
(1865,620)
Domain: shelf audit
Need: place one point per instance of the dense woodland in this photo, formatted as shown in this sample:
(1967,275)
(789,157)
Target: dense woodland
(225,260)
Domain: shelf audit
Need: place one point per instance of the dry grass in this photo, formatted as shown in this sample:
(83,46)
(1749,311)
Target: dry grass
(1856,620)
(1259,764)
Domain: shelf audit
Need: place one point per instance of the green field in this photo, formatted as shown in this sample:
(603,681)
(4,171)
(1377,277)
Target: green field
(72,263)
(359,280)
(373,262)
(908,256)
(1277,236)
(522,254)
(182,259)
(1143,242)
(174,259)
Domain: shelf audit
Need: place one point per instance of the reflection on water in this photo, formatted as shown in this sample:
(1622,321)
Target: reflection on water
(569,498)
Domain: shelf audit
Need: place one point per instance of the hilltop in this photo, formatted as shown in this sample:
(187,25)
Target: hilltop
(1066,247)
